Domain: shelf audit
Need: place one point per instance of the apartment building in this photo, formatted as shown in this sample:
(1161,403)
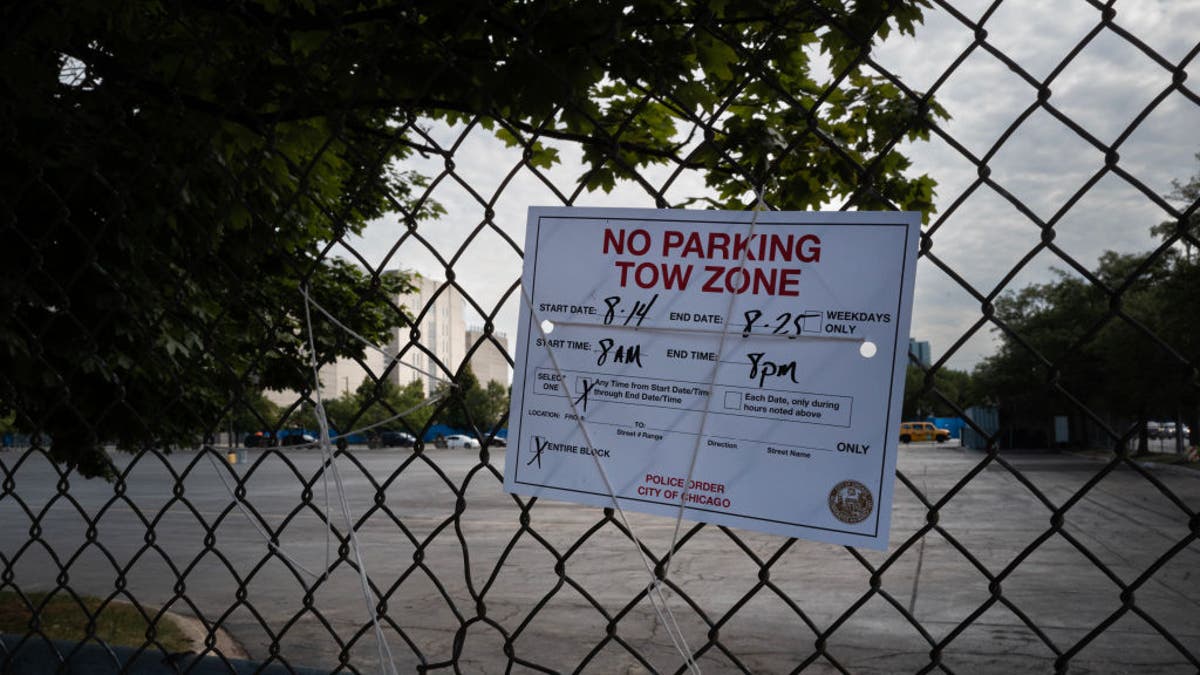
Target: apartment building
(489,363)
(439,318)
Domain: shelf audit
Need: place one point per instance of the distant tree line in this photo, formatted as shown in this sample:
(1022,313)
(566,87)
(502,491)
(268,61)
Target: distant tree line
(383,405)
(949,394)
(1115,346)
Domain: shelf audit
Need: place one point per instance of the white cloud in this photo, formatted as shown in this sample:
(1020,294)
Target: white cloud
(1043,163)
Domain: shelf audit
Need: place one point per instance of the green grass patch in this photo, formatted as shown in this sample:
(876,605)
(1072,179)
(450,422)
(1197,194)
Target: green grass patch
(63,619)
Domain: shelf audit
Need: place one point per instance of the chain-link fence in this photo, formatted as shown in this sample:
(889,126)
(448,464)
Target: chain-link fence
(181,235)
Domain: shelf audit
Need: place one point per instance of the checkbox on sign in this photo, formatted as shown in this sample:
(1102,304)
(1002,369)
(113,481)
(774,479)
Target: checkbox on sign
(733,400)
(581,385)
(810,321)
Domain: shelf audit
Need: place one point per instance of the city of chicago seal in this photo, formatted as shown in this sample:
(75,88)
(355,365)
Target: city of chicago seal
(851,501)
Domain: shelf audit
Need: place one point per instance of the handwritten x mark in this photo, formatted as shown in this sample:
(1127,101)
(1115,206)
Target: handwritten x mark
(537,456)
(583,398)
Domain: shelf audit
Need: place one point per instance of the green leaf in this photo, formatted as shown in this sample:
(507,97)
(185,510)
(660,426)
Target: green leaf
(717,59)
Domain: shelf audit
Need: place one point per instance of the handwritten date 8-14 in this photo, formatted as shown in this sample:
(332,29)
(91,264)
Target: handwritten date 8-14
(637,314)
(626,353)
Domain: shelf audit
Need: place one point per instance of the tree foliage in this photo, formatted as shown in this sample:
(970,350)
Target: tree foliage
(949,392)
(471,407)
(377,405)
(1186,229)
(258,413)
(1119,346)
(176,172)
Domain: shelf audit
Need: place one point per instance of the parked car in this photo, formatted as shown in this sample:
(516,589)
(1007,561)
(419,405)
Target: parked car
(348,439)
(271,439)
(922,431)
(295,437)
(396,439)
(457,441)
(260,439)
(1168,430)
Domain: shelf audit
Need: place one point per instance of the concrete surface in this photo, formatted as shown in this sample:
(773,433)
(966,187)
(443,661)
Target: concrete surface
(461,599)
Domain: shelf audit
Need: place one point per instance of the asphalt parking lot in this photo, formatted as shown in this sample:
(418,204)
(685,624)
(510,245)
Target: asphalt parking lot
(1065,585)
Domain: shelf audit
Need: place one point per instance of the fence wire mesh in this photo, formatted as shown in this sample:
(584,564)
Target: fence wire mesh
(998,562)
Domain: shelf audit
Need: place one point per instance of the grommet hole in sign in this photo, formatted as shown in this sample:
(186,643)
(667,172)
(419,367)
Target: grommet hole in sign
(867,349)
(547,327)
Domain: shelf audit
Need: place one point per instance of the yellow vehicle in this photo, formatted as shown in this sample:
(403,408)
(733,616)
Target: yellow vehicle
(922,431)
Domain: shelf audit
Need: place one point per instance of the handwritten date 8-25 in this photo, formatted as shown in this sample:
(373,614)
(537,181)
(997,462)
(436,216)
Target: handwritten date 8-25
(787,323)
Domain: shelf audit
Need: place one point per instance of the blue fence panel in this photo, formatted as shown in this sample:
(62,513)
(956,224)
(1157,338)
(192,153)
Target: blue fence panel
(987,419)
(952,424)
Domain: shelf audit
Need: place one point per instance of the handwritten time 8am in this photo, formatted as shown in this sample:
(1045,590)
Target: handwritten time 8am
(735,278)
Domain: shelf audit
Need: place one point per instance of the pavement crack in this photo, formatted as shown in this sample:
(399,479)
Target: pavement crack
(912,601)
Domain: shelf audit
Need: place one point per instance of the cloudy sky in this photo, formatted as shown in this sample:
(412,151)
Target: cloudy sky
(1104,88)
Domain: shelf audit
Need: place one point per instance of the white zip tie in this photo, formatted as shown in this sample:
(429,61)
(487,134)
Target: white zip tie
(254,523)
(683,494)
(385,651)
(654,588)
(330,464)
(391,359)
